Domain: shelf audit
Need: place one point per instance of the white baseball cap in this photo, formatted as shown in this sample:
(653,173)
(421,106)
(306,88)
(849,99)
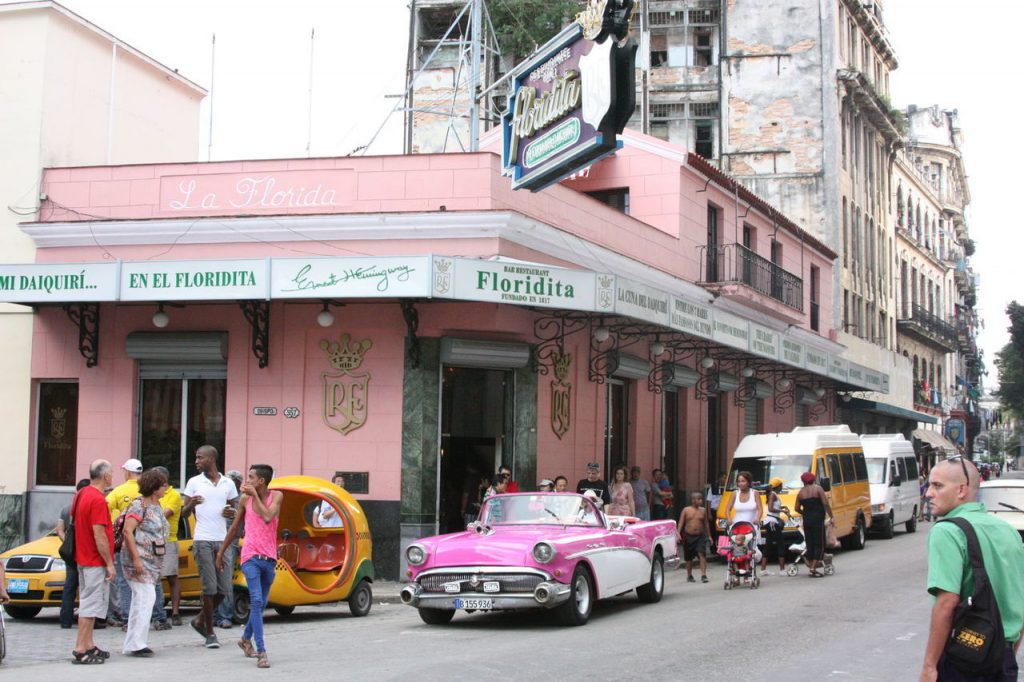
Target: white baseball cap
(133,465)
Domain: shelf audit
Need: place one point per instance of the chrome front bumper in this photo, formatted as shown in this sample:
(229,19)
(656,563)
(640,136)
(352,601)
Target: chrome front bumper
(547,594)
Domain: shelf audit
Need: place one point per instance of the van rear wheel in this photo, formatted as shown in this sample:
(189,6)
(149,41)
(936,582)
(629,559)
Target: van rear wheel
(858,538)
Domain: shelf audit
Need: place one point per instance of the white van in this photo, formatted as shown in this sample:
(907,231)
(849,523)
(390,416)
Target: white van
(895,488)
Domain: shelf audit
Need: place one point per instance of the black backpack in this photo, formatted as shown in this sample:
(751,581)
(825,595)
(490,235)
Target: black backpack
(976,643)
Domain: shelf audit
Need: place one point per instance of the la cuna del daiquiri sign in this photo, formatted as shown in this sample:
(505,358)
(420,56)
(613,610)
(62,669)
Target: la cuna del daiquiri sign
(572,98)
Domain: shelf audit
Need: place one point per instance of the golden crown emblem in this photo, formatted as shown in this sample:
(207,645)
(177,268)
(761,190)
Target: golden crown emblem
(345,355)
(562,363)
(591,19)
(58,412)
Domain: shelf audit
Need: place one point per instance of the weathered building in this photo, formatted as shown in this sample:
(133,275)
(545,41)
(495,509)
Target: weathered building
(72,94)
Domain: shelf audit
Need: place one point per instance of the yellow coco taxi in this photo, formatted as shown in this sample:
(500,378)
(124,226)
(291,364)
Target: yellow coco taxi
(318,561)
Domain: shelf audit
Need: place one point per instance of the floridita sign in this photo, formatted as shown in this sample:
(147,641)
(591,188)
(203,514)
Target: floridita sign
(509,282)
(571,99)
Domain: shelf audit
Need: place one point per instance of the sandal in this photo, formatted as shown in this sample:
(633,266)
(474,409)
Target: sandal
(98,652)
(247,648)
(86,658)
(261,660)
(815,574)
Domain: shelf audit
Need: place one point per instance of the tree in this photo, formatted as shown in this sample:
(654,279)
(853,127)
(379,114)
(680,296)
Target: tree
(524,25)
(1010,361)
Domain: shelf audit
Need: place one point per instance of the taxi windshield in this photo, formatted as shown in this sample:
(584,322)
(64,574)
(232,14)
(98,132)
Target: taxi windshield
(541,508)
(764,469)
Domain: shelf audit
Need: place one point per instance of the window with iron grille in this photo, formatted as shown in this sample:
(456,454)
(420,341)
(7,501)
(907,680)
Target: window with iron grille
(667,111)
(703,109)
(704,15)
(666,18)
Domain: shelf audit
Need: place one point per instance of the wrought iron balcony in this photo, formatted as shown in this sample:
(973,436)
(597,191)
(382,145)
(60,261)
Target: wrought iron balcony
(929,328)
(736,264)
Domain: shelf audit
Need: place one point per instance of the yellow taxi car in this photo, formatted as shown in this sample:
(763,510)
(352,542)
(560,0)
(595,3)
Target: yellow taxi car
(316,564)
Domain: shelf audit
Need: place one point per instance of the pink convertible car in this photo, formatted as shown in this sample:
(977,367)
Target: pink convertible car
(556,551)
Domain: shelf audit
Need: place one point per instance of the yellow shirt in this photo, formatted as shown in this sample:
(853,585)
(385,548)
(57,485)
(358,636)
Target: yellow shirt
(120,497)
(172,500)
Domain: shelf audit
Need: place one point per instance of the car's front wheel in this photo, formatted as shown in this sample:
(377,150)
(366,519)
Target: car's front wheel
(22,612)
(437,616)
(577,610)
(651,592)
(912,522)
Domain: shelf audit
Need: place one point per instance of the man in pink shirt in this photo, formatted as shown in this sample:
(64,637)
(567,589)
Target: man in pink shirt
(258,509)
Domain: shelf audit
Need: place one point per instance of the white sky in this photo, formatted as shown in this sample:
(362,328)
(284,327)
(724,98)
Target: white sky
(262,73)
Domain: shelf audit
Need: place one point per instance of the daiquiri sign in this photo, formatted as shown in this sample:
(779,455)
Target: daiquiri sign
(570,101)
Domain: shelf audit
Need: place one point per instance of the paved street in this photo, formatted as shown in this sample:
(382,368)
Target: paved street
(868,622)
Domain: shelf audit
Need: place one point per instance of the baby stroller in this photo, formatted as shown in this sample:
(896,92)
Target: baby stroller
(742,556)
(800,550)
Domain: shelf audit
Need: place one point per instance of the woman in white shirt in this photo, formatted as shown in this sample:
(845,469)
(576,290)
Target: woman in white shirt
(745,504)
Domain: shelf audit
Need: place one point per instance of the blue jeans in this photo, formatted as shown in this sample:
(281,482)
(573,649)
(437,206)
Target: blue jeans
(122,591)
(67,599)
(159,614)
(259,576)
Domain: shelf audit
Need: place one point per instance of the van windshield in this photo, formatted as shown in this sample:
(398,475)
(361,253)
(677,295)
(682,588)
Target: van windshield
(763,469)
(876,469)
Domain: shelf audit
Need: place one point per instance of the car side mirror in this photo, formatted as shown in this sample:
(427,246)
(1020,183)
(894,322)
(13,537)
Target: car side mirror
(896,481)
(826,483)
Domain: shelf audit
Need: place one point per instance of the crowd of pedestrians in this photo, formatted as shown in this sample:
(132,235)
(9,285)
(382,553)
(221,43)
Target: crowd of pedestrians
(126,542)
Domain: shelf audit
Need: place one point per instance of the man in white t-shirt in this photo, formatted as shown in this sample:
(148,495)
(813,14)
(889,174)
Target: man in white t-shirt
(212,497)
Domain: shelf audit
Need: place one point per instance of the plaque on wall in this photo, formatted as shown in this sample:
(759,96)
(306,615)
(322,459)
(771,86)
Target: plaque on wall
(355,482)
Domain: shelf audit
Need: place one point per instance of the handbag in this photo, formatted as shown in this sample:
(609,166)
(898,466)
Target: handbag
(67,546)
(976,644)
(831,541)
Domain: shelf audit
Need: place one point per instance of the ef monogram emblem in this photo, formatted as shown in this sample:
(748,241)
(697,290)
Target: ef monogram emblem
(346,392)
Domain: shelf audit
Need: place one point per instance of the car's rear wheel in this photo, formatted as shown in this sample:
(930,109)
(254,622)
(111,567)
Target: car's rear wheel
(361,599)
(437,616)
(577,610)
(912,522)
(22,612)
(858,538)
(651,592)
(240,605)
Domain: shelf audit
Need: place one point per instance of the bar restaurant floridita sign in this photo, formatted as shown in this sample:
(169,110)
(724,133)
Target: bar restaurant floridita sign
(570,101)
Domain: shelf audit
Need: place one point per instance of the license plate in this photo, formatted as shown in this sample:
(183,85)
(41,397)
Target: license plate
(17,585)
(474,604)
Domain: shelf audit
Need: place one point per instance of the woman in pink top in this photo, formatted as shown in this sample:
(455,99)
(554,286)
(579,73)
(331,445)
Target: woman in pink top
(258,510)
(622,494)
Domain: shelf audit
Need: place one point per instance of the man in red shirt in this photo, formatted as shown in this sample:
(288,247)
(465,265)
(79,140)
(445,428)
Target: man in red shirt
(94,554)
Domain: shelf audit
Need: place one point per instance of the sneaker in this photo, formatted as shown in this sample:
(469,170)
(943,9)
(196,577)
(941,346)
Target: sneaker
(175,619)
(703,578)
(226,624)
(161,625)
(144,652)
(212,643)
(690,579)
(766,573)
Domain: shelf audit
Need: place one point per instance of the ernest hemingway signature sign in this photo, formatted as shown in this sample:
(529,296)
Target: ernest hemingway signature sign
(350,277)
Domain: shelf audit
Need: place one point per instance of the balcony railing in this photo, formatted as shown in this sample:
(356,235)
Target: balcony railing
(735,263)
(931,327)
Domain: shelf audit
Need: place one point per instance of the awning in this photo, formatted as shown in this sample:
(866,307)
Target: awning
(889,410)
(935,439)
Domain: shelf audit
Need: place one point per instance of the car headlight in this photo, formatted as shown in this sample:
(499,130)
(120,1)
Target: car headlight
(543,552)
(415,555)
(877,508)
(58,565)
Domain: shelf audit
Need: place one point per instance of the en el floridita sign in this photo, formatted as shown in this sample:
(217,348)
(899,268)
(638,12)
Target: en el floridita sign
(509,282)
(570,101)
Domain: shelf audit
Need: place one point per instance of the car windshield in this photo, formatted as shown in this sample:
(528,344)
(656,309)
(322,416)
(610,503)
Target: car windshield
(992,496)
(540,508)
(763,469)
(876,469)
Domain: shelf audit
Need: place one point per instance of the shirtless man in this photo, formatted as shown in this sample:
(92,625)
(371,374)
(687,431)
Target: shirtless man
(694,533)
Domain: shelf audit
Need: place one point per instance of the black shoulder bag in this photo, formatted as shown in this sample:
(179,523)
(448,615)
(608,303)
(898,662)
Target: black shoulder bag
(67,547)
(976,643)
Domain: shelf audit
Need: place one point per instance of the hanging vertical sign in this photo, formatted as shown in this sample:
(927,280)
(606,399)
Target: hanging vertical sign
(561,396)
(570,101)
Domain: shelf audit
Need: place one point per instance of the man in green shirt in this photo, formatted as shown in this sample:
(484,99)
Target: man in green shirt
(953,492)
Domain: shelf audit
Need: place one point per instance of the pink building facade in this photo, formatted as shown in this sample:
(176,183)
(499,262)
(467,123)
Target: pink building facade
(413,322)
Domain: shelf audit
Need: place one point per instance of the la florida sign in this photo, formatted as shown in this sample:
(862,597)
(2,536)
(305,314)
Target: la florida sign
(570,101)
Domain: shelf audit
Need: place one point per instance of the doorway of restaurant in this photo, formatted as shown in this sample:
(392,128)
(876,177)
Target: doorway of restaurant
(177,414)
(477,420)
